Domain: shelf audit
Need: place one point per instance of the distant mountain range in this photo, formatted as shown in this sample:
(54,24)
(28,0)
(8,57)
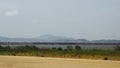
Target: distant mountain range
(52,38)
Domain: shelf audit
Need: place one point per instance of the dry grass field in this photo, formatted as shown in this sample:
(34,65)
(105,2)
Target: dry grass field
(42,62)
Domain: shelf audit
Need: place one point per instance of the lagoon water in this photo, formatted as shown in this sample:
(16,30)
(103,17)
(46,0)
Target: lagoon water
(82,46)
(64,46)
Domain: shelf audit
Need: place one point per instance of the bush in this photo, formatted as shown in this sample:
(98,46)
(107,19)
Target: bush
(59,49)
(106,58)
(69,47)
(117,48)
(53,48)
(77,47)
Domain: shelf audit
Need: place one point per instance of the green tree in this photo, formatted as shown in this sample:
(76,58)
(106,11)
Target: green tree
(69,47)
(117,48)
(59,49)
(78,48)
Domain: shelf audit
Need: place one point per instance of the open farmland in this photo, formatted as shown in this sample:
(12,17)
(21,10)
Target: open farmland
(42,62)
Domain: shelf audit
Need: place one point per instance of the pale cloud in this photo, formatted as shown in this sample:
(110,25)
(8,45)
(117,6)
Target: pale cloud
(35,21)
(11,13)
(0,12)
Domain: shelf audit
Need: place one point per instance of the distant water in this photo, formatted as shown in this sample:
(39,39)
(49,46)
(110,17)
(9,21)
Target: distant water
(82,46)
(64,46)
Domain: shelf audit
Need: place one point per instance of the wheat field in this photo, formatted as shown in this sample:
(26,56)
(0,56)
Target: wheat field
(43,62)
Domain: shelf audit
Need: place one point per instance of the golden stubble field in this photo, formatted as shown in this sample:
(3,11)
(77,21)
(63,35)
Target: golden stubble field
(43,62)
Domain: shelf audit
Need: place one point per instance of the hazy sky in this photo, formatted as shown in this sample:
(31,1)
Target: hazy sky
(89,19)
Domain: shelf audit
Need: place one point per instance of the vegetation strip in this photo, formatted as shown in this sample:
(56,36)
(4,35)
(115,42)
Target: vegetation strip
(69,52)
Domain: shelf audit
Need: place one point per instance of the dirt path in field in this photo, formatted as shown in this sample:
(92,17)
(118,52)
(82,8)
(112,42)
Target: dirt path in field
(39,62)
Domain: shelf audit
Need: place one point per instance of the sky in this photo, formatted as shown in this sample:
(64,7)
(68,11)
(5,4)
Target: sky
(83,19)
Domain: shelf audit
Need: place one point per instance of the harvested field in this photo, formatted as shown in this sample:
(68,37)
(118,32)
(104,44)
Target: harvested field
(43,62)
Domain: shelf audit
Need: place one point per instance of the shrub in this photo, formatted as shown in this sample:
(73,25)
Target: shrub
(53,48)
(69,48)
(77,47)
(106,58)
(117,48)
(59,49)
